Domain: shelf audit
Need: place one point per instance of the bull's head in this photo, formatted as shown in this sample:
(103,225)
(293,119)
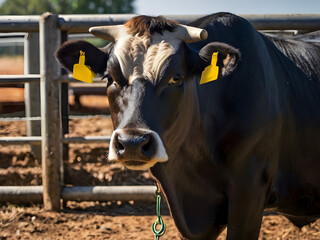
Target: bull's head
(152,79)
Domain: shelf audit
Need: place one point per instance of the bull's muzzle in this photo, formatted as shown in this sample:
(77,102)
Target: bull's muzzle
(137,149)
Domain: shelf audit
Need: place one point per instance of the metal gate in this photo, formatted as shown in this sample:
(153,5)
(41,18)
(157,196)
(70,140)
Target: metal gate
(52,30)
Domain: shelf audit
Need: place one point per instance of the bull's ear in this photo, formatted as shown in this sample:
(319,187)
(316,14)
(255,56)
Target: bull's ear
(69,52)
(228,57)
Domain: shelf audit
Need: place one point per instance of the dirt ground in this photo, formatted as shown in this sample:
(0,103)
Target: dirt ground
(87,166)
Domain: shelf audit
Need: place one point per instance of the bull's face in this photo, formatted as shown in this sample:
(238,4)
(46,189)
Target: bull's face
(151,84)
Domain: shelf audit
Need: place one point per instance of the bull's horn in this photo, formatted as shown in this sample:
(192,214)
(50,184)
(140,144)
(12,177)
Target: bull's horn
(191,34)
(109,33)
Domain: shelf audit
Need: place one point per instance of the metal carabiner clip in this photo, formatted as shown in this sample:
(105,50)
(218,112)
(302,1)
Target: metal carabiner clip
(159,221)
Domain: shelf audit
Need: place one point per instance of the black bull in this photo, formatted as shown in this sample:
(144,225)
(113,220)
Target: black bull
(246,142)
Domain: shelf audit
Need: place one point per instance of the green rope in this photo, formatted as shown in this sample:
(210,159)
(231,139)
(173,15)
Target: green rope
(159,221)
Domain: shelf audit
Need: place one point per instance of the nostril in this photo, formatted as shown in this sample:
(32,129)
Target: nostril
(148,146)
(119,146)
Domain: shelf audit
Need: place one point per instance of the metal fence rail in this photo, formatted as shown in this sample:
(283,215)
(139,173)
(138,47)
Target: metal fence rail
(37,140)
(53,30)
(20,140)
(88,139)
(19,23)
(302,22)
(30,78)
(23,194)
(81,23)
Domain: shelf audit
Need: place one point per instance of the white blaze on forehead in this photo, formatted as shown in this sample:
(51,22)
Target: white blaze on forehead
(140,56)
(155,58)
(122,48)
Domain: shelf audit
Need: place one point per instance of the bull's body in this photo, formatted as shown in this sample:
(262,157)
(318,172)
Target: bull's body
(248,141)
(257,141)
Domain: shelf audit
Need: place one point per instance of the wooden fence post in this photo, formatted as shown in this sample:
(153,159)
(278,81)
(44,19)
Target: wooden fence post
(32,90)
(51,129)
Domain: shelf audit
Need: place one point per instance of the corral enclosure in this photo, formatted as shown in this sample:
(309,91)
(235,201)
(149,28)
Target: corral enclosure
(85,165)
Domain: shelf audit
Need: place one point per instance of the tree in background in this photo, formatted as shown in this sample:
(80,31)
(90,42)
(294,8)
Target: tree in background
(23,7)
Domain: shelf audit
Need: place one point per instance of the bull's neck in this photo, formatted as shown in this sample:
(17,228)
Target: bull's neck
(185,179)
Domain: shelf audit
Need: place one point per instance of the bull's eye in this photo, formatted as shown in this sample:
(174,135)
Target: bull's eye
(176,80)
(109,78)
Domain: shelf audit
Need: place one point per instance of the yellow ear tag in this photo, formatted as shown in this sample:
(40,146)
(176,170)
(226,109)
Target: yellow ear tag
(83,72)
(211,72)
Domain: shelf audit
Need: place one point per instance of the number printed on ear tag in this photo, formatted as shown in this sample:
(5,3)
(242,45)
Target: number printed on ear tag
(81,71)
(211,72)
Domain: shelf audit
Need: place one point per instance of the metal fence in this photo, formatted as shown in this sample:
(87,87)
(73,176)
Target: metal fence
(48,31)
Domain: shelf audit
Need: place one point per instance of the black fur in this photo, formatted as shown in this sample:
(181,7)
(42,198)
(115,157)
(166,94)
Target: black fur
(68,55)
(249,141)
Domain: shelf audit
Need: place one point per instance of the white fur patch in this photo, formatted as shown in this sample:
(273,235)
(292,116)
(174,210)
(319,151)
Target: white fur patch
(140,56)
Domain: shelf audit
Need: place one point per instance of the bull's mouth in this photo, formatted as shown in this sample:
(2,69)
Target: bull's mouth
(134,164)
